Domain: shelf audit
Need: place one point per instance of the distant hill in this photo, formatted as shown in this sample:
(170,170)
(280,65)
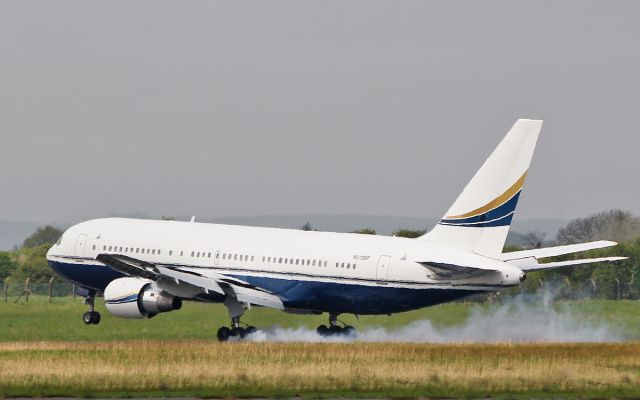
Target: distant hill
(13,233)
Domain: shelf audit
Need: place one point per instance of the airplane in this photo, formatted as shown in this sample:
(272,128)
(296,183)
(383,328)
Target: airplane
(148,267)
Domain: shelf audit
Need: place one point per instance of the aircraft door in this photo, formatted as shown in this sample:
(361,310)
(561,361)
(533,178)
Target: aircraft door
(80,245)
(382,272)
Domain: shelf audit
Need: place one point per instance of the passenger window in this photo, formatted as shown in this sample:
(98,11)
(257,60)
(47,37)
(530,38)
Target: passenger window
(337,265)
(269,259)
(348,266)
(285,260)
(137,250)
(235,257)
(181,253)
(313,264)
(109,248)
(354,266)
(158,251)
(209,255)
(280,260)
(153,251)
(325,263)
(94,246)
(224,256)
(297,261)
(342,265)
(193,253)
(120,249)
(170,252)
(104,248)
(251,258)
(308,262)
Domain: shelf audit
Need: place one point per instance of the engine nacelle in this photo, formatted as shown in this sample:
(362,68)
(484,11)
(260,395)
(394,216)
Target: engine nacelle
(138,298)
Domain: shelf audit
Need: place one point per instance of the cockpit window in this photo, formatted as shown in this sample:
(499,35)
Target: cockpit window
(59,240)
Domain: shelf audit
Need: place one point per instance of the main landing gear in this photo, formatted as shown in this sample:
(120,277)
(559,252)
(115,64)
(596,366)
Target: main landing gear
(91,317)
(225,333)
(236,309)
(334,329)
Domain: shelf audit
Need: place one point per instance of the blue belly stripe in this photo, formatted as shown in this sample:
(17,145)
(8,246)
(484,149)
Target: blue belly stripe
(335,297)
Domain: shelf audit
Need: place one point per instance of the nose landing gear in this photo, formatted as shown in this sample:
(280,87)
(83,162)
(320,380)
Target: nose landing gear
(91,317)
(334,329)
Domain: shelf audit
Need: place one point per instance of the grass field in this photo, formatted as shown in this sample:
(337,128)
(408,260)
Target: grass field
(205,368)
(46,350)
(61,321)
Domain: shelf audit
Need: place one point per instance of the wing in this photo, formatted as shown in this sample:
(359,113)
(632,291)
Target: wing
(527,260)
(186,283)
(444,270)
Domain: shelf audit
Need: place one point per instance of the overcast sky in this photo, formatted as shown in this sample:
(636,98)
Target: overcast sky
(362,107)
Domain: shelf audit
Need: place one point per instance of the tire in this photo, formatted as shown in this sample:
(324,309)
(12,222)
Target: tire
(335,330)
(95,318)
(349,330)
(251,329)
(223,334)
(322,330)
(87,318)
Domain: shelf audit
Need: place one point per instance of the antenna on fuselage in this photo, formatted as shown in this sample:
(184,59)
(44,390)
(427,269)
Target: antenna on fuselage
(193,219)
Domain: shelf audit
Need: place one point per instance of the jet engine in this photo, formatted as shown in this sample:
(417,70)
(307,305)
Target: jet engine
(138,298)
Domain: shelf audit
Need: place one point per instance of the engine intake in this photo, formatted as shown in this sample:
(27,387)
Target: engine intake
(138,298)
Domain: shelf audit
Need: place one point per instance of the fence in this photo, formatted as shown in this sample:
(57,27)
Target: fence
(55,290)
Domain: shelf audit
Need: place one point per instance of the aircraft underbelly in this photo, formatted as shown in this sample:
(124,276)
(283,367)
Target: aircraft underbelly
(351,298)
(335,297)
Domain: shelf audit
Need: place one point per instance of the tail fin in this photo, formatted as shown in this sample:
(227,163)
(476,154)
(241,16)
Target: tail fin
(479,219)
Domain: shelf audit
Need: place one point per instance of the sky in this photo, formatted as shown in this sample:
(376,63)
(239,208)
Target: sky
(286,107)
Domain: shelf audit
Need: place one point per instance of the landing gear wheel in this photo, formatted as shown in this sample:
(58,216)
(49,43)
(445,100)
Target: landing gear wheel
(91,318)
(223,334)
(322,330)
(238,331)
(348,330)
(334,329)
(251,329)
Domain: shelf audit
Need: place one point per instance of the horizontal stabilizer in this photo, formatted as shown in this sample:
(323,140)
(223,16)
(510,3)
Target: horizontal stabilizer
(556,250)
(531,264)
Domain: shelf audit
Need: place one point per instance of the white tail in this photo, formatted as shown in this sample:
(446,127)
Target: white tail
(479,219)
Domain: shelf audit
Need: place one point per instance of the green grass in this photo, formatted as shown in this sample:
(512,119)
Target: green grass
(61,321)
(46,350)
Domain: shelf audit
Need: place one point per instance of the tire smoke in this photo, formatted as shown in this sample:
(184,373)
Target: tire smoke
(523,318)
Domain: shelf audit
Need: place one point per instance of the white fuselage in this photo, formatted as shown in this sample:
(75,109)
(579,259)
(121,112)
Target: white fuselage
(362,273)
